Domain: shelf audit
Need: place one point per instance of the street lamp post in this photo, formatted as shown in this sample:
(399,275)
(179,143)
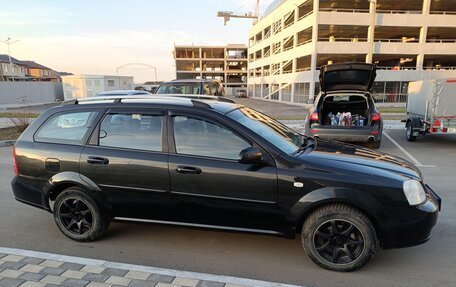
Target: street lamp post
(8,42)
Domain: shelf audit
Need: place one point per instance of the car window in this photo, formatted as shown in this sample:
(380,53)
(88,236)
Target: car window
(200,137)
(66,127)
(207,89)
(180,88)
(132,131)
(213,88)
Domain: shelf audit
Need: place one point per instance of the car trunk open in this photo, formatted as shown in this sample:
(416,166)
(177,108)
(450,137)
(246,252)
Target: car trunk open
(344,111)
(347,76)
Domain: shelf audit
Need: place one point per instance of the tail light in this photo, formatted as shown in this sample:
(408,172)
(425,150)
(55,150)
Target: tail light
(314,117)
(437,123)
(444,130)
(14,161)
(376,117)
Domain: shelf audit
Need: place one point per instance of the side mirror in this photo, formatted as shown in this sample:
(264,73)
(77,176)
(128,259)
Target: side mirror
(250,155)
(310,101)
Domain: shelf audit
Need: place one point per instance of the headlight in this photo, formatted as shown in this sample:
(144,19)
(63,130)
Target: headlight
(414,192)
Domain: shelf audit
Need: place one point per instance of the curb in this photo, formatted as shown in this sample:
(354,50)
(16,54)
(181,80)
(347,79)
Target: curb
(7,143)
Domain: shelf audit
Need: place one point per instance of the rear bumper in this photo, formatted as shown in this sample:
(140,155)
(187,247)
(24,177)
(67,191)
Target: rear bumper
(348,134)
(26,193)
(414,227)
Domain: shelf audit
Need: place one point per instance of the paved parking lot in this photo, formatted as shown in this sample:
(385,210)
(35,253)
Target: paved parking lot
(254,256)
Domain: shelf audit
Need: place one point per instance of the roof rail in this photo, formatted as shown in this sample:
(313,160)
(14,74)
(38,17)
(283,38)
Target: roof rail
(118,99)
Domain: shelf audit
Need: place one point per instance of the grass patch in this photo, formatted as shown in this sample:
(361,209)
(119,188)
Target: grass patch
(392,110)
(10,133)
(18,115)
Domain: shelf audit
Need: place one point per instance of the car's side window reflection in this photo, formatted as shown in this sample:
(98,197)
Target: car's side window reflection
(199,137)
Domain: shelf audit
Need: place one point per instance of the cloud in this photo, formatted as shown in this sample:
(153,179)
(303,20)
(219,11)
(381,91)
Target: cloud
(34,17)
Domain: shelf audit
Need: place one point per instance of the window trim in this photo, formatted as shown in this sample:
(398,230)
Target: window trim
(94,137)
(172,140)
(86,136)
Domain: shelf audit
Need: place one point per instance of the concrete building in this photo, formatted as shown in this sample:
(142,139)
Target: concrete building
(228,64)
(408,40)
(82,86)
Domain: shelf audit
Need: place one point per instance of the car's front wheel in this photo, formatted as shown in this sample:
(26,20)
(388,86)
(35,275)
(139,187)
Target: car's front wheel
(79,216)
(339,237)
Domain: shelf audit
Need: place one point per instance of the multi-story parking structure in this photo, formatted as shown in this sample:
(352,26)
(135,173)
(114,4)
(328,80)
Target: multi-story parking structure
(228,64)
(408,40)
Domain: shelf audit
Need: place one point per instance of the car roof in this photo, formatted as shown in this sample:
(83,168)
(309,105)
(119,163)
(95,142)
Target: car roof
(189,81)
(218,104)
(124,92)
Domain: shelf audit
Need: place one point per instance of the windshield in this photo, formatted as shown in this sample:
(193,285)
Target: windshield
(281,136)
(180,88)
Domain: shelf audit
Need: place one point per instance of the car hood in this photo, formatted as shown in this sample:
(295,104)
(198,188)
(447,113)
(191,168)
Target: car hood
(337,152)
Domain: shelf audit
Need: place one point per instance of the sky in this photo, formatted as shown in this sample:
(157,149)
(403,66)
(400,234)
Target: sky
(97,36)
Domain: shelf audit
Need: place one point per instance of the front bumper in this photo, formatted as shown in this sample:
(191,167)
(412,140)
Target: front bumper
(415,226)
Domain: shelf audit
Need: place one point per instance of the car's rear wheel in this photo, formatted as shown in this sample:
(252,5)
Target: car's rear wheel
(339,237)
(79,216)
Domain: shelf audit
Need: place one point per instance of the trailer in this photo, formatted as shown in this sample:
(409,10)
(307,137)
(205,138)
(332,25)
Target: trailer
(431,108)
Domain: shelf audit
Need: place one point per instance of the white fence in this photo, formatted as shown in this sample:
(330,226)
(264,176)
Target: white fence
(30,92)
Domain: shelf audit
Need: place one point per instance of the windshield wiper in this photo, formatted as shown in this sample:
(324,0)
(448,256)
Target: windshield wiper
(305,144)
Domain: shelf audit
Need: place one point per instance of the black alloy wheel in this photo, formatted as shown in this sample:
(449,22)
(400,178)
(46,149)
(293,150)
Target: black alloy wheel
(339,241)
(75,215)
(79,216)
(339,237)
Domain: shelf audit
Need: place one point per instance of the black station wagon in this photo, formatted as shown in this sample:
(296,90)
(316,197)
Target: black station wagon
(207,162)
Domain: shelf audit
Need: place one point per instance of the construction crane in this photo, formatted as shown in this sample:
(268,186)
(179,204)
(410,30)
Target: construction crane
(227,15)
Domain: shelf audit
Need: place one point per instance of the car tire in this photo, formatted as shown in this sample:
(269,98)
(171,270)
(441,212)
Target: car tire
(409,132)
(339,237)
(79,216)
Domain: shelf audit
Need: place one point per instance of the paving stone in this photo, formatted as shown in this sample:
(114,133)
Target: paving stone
(161,278)
(98,284)
(92,269)
(75,282)
(10,273)
(234,285)
(118,280)
(115,272)
(13,258)
(51,279)
(11,282)
(52,271)
(185,282)
(96,277)
(73,274)
(165,285)
(32,260)
(32,268)
(203,283)
(2,255)
(51,263)
(32,284)
(72,266)
(137,275)
(141,283)
(52,285)
(13,265)
(29,276)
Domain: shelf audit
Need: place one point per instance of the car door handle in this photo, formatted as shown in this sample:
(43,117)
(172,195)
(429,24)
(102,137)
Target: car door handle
(188,169)
(97,160)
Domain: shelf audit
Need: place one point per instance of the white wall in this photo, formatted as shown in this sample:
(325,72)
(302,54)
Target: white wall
(30,92)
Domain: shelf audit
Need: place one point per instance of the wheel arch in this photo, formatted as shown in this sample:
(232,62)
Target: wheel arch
(64,180)
(354,198)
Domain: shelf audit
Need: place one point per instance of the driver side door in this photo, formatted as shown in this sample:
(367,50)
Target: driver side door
(209,186)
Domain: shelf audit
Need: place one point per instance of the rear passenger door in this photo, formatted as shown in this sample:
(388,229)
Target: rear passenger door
(127,158)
